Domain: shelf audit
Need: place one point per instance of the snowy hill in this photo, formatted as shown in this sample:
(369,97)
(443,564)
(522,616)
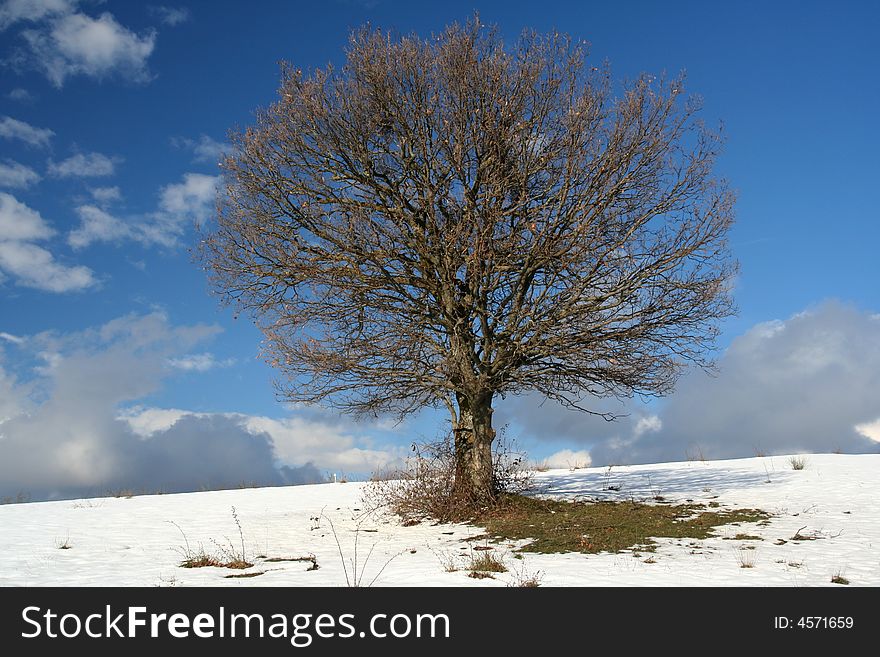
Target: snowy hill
(831,508)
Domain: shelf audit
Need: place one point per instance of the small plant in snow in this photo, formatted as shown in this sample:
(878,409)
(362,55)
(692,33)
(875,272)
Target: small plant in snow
(358,570)
(225,556)
(746,558)
(797,462)
(526,580)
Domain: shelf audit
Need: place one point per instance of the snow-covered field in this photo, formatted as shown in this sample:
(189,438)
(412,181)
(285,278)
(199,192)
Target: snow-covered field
(139,541)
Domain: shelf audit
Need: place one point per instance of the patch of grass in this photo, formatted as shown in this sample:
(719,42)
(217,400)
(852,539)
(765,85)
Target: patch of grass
(487,562)
(244,575)
(563,526)
(202,559)
(837,578)
(797,462)
(530,583)
(743,537)
(478,574)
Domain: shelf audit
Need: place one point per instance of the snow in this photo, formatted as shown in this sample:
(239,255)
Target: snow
(139,541)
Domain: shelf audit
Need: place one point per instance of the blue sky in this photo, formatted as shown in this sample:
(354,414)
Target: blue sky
(115,362)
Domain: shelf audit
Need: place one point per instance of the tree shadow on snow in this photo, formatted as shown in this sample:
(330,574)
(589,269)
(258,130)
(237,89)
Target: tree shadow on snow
(621,483)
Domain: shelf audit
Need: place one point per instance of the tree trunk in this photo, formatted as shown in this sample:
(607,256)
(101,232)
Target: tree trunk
(474,434)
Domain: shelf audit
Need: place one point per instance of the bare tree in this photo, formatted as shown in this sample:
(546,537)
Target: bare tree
(449,220)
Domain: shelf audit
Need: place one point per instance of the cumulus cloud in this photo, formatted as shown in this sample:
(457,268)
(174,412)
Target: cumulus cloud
(567,458)
(16,175)
(179,206)
(97,225)
(14,129)
(106,195)
(333,444)
(84,165)
(36,267)
(87,435)
(204,149)
(31,265)
(870,430)
(73,43)
(194,197)
(18,222)
(806,384)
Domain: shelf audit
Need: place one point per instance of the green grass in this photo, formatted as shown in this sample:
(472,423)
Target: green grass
(560,526)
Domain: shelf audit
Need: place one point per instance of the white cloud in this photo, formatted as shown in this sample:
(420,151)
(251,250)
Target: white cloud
(172,16)
(333,446)
(87,435)
(193,198)
(84,165)
(204,149)
(77,44)
(16,175)
(199,362)
(14,129)
(870,430)
(13,11)
(147,421)
(106,195)
(295,439)
(566,458)
(32,265)
(18,222)
(806,384)
(96,225)
(180,205)
(646,424)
